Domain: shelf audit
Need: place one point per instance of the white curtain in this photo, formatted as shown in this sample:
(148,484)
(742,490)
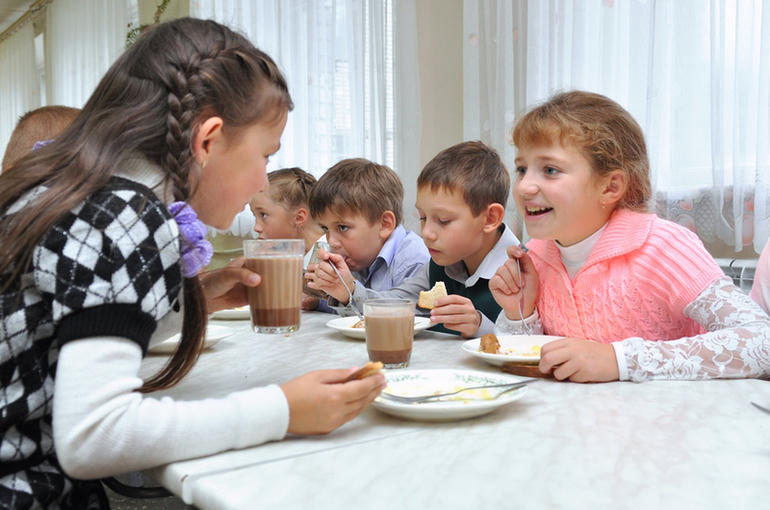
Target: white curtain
(19,84)
(83,38)
(696,75)
(353,82)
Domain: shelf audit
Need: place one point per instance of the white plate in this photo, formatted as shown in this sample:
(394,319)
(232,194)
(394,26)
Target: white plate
(468,404)
(243,312)
(345,325)
(515,349)
(214,334)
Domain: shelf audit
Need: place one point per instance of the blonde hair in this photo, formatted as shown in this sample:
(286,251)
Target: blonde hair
(290,187)
(602,130)
(38,125)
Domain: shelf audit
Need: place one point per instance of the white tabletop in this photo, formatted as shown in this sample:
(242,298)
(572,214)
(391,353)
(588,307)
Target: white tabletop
(563,445)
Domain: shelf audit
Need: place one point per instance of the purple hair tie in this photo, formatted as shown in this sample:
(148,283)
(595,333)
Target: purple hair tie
(41,143)
(196,250)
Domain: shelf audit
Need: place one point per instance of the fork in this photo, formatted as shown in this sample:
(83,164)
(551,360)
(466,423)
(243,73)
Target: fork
(428,398)
(527,329)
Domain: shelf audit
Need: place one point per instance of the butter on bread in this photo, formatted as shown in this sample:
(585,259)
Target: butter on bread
(365,371)
(428,297)
(489,344)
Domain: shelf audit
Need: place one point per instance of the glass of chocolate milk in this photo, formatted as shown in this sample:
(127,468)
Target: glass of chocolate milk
(276,302)
(320,245)
(389,327)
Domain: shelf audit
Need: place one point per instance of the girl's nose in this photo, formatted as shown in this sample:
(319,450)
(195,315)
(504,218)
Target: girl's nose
(525,185)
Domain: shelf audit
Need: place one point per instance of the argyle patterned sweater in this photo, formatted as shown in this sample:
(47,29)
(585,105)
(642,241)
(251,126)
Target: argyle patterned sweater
(110,267)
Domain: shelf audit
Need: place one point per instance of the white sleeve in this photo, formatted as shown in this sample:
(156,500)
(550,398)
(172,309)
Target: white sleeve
(506,326)
(760,289)
(736,342)
(103,427)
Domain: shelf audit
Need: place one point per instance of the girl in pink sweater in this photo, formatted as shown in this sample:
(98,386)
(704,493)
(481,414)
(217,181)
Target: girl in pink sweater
(635,297)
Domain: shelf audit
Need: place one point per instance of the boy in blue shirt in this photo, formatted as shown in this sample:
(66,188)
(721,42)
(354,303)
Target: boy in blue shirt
(359,206)
(461,198)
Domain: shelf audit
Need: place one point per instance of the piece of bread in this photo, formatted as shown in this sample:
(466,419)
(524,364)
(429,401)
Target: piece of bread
(371,368)
(428,297)
(489,344)
(358,325)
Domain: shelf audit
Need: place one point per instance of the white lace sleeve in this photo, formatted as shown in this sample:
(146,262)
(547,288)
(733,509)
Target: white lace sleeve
(737,342)
(505,326)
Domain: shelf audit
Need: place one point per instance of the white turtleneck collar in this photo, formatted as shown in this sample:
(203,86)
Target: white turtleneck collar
(575,257)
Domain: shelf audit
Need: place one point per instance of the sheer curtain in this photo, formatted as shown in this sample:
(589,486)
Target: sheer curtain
(83,38)
(696,75)
(353,82)
(19,85)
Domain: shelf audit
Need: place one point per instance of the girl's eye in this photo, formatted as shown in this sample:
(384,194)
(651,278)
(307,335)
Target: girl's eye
(343,228)
(551,170)
(422,219)
(521,170)
(264,215)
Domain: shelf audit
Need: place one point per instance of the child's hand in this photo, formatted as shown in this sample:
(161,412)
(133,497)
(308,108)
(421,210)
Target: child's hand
(458,314)
(318,404)
(579,360)
(508,290)
(226,287)
(309,302)
(326,279)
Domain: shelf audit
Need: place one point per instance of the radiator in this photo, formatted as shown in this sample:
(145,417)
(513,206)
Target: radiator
(740,270)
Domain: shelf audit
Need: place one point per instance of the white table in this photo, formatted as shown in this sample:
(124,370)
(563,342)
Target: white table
(563,445)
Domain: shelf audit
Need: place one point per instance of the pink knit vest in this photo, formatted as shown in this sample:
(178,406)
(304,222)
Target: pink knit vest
(637,282)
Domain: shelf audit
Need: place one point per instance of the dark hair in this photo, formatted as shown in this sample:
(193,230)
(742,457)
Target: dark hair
(38,125)
(473,169)
(149,104)
(602,130)
(358,186)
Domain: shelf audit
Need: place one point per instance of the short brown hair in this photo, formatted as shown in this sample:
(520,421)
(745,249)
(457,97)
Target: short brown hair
(358,185)
(37,126)
(472,168)
(290,187)
(602,130)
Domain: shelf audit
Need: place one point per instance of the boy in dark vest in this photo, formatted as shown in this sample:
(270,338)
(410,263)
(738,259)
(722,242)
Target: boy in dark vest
(461,198)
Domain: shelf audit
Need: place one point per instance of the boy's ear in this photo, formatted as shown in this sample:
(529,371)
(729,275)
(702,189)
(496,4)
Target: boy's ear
(615,185)
(494,217)
(301,217)
(387,224)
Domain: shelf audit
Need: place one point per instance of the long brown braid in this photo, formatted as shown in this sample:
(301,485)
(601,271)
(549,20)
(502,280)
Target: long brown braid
(149,103)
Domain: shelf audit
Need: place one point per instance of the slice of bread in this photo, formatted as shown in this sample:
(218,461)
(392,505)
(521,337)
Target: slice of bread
(428,297)
(371,368)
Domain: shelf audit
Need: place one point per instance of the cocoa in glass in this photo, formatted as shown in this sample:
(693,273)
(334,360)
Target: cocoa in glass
(277,301)
(389,327)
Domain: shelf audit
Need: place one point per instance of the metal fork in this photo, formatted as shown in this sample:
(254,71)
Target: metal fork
(428,398)
(527,329)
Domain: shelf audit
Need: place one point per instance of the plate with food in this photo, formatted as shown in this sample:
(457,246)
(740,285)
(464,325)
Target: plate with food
(467,404)
(353,327)
(214,333)
(240,313)
(498,350)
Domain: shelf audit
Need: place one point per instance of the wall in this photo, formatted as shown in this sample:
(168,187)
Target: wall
(440,39)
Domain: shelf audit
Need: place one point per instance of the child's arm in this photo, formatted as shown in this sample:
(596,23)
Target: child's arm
(579,360)
(508,290)
(326,278)
(737,342)
(226,287)
(457,313)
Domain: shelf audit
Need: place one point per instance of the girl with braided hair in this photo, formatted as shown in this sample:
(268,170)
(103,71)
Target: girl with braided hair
(103,240)
(282,210)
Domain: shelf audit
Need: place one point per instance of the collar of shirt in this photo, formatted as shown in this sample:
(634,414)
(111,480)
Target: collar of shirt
(488,267)
(575,257)
(386,254)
